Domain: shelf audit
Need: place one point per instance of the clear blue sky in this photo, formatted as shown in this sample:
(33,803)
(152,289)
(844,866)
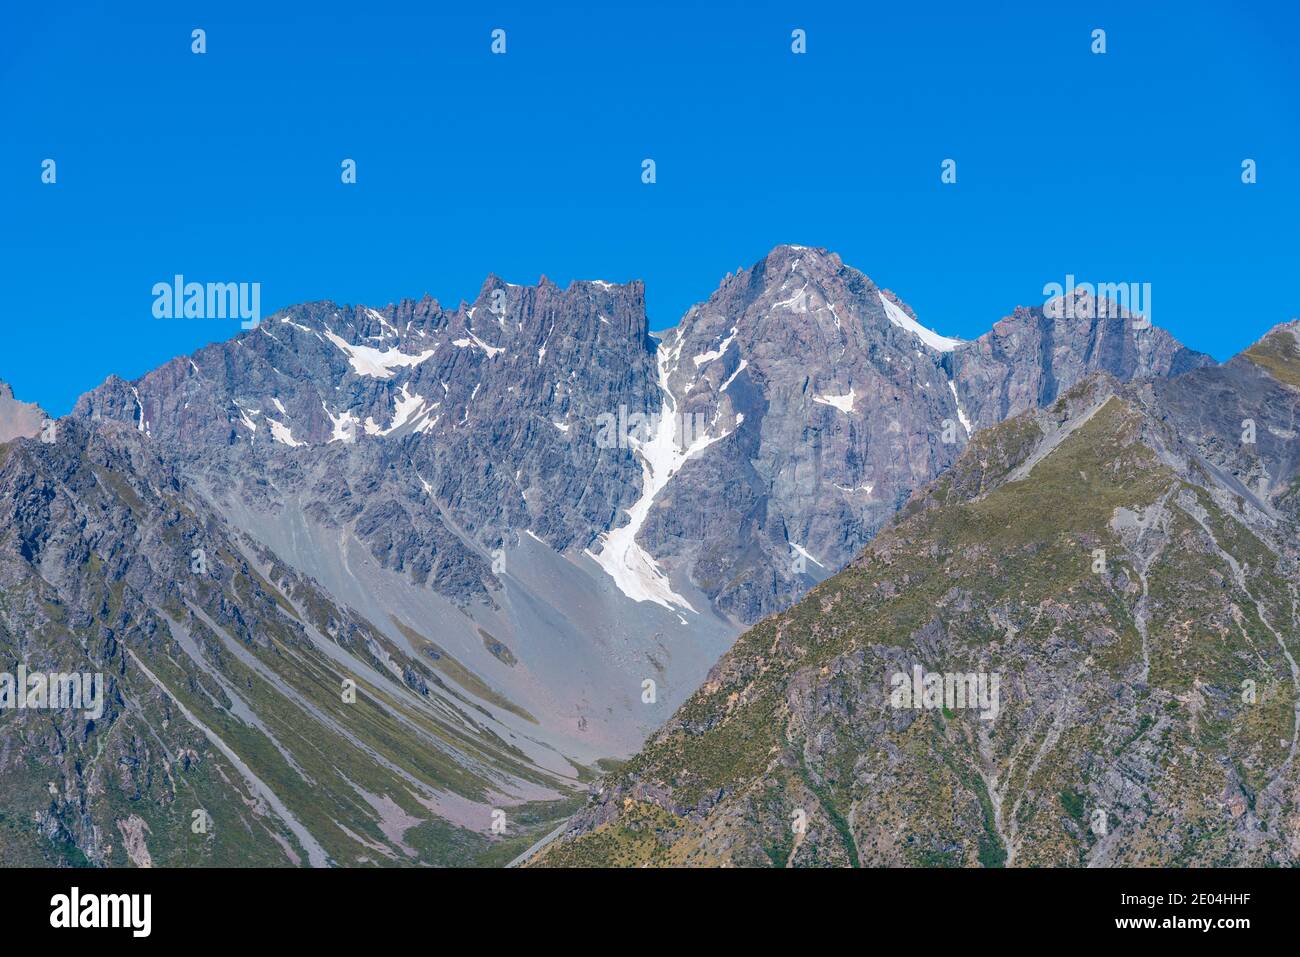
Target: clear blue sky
(225,166)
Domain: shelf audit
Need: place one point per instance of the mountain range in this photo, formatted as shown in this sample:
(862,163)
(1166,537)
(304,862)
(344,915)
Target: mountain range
(1118,568)
(400,585)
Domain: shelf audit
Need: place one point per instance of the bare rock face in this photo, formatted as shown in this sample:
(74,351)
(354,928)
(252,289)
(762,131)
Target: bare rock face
(526,525)
(743,456)
(1076,647)
(836,404)
(833,413)
(437,435)
(1030,357)
(747,454)
(18,419)
(232,712)
(442,472)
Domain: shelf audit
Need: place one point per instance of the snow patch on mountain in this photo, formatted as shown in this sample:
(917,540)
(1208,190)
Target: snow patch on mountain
(473,340)
(139,424)
(282,433)
(407,408)
(634,570)
(377,363)
(961,416)
(717,353)
(345,425)
(842,402)
(860,488)
(744,363)
(373,314)
(806,554)
(932,339)
(796,303)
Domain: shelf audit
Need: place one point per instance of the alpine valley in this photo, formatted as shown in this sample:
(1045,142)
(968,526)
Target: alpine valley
(522,580)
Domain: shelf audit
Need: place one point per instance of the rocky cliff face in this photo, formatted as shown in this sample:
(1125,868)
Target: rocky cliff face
(442,470)
(1033,355)
(743,456)
(18,419)
(243,716)
(526,519)
(1077,647)
(836,404)
(486,411)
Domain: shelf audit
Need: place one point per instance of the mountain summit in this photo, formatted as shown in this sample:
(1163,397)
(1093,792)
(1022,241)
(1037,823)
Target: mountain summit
(18,419)
(524,527)
(1076,647)
(839,403)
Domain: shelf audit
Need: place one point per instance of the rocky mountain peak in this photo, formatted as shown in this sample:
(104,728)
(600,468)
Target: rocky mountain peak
(1115,568)
(791,256)
(1278,353)
(1292,326)
(526,504)
(1033,354)
(796,408)
(18,419)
